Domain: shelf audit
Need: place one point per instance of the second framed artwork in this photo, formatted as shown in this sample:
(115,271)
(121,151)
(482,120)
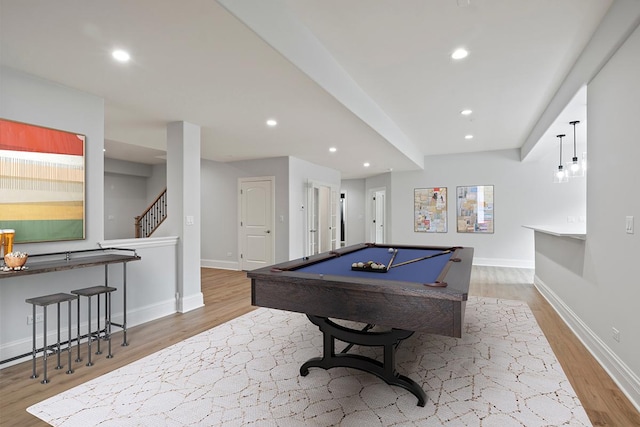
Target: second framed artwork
(474,212)
(430,210)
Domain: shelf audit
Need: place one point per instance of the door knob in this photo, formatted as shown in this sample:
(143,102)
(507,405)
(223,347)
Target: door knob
(268,231)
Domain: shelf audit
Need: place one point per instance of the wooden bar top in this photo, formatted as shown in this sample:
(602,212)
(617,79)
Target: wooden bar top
(45,263)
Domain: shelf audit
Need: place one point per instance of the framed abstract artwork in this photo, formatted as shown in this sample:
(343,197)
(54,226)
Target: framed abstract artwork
(475,209)
(42,177)
(430,210)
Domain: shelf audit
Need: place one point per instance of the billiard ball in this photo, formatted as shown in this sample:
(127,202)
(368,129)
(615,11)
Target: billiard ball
(390,250)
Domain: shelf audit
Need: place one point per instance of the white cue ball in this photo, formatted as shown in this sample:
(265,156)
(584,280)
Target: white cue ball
(390,250)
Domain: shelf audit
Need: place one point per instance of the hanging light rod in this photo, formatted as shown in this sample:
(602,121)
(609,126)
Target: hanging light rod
(560,175)
(574,166)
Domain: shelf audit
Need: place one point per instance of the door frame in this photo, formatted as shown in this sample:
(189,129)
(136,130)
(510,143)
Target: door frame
(371,214)
(332,234)
(272,180)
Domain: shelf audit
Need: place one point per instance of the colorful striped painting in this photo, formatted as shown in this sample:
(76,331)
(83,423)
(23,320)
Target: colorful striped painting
(41,182)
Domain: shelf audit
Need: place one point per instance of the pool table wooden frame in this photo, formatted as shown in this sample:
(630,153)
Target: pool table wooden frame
(405,307)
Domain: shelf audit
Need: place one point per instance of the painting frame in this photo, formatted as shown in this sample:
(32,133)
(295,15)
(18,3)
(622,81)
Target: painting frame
(475,209)
(430,210)
(42,182)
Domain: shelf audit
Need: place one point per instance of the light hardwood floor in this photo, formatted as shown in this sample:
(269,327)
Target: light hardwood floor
(227,295)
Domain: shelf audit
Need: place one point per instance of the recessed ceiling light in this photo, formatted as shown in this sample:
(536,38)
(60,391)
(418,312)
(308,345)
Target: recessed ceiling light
(121,55)
(468,137)
(466,112)
(459,53)
(366,165)
(333,149)
(271,122)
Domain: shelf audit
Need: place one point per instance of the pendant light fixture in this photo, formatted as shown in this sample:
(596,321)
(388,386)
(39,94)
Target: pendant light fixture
(574,168)
(560,174)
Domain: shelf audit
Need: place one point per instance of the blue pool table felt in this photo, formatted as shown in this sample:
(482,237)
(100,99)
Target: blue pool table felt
(425,271)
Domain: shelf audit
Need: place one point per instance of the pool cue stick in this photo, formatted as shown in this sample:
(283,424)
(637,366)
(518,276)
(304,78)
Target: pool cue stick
(395,252)
(448,251)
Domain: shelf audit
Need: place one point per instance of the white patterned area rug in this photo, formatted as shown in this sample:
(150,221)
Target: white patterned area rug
(246,373)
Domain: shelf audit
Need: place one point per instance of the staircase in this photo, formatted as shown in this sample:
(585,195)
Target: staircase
(151,219)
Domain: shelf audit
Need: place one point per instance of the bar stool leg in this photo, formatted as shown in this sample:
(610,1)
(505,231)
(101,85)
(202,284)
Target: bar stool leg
(90,334)
(98,319)
(45,351)
(34,374)
(108,323)
(78,359)
(69,371)
(58,366)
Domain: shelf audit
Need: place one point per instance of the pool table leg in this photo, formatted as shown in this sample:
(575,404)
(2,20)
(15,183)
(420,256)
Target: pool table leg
(386,371)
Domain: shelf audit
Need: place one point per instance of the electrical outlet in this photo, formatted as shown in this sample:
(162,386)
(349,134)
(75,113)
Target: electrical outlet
(616,334)
(39,318)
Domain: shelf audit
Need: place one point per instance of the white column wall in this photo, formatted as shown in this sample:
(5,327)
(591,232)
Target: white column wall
(183,209)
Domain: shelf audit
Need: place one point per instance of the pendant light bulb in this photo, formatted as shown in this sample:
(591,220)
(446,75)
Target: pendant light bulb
(575,166)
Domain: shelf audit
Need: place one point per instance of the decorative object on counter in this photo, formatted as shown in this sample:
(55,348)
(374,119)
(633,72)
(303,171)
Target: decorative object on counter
(7,237)
(15,261)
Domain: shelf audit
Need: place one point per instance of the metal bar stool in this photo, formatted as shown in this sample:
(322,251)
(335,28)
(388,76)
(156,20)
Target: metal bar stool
(90,292)
(43,302)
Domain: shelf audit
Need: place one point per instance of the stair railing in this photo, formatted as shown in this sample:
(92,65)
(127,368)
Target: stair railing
(152,217)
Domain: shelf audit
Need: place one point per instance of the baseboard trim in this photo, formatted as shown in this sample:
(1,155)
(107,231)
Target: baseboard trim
(619,372)
(223,265)
(502,262)
(190,302)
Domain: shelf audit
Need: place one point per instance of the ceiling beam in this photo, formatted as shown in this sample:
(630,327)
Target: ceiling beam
(270,20)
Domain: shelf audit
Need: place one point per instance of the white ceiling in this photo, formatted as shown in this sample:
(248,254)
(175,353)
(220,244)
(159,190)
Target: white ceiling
(373,78)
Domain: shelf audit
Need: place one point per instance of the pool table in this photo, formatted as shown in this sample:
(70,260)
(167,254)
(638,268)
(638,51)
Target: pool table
(414,288)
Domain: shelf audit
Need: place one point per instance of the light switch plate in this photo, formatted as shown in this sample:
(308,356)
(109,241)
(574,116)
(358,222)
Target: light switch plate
(629,224)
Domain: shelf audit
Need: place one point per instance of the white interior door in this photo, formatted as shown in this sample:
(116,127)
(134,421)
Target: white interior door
(378,212)
(322,201)
(256,224)
(314,221)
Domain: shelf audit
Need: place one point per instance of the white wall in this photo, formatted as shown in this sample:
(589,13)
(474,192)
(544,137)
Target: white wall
(355,218)
(219,205)
(600,289)
(124,199)
(28,99)
(156,183)
(524,194)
